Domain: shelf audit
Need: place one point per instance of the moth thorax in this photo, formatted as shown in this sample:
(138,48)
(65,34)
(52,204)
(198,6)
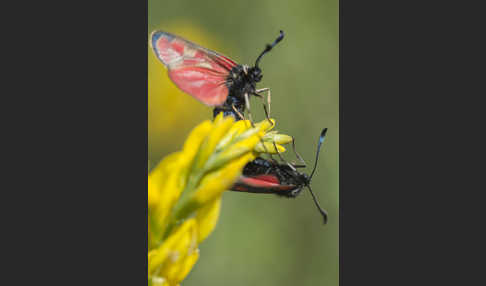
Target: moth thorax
(245,69)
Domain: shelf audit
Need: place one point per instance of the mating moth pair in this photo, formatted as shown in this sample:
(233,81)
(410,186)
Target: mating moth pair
(217,81)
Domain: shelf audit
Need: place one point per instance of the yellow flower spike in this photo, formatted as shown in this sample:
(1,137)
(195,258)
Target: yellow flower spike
(158,178)
(235,130)
(153,193)
(181,260)
(248,133)
(219,118)
(165,186)
(220,127)
(234,133)
(157,256)
(171,190)
(171,258)
(271,133)
(269,148)
(265,125)
(207,217)
(234,151)
(197,135)
(158,281)
(248,130)
(215,183)
(186,266)
(191,149)
(185,192)
(242,125)
(206,150)
(281,139)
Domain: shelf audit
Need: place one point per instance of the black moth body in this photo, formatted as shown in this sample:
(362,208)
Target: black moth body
(242,80)
(290,181)
(270,177)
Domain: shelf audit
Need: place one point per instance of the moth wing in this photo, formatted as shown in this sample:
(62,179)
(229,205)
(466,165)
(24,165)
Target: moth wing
(260,184)
(197,71)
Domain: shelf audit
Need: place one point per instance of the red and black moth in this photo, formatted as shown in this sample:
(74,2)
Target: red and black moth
(211,78)
(218,81)
(269,177)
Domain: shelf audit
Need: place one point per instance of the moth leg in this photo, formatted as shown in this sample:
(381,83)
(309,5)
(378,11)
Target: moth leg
(297,154)
(256,93)
(266,111)
(266,89)
(299,166)
(247,102)
(269,96)
(271,157)
(283,160)
(267,116)
(237,112)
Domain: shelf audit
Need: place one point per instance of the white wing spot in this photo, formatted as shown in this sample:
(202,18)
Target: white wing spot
(189,52)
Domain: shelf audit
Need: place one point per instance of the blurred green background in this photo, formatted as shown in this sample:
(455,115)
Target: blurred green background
(262,239)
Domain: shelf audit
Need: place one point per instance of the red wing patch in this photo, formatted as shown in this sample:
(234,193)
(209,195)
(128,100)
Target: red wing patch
(198,71)
(201,83)
(264,183)
(267,178)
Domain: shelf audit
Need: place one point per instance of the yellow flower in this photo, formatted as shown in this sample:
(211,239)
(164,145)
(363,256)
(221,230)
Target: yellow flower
(185,188)
(171,262)
(267,144)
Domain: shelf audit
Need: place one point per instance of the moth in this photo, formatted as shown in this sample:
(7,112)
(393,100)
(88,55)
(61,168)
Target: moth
(270,177)
(212,78)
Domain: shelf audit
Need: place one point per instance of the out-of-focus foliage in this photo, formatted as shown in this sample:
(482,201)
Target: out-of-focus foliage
(262,239)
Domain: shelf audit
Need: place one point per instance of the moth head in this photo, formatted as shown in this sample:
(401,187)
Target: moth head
(255,73)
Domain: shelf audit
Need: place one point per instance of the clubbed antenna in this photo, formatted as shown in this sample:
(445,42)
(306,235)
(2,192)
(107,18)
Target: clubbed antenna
(319,144)
(268,48)
(321,210)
